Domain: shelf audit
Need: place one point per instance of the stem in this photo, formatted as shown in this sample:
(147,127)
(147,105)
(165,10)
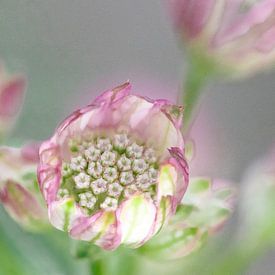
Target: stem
(97,267)
(241,254)
(197,74)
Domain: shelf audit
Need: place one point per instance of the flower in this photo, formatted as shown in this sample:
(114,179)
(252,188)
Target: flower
(237,36)
(11,99)
(257,202)
(205,208)
(19,192)
(121,162)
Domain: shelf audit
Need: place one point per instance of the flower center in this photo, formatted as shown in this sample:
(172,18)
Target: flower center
(103,171)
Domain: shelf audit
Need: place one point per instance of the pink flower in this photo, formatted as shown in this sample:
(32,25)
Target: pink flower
(205,208)
(11,99)
(114,171)
(237,35)
(19,192)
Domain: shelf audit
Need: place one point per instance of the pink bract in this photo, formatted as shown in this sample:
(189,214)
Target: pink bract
(138,217)
(19,193)
(236,34)
(12,90)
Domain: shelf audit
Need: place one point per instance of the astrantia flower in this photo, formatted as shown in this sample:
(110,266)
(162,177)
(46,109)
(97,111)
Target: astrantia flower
(11,99)
(205,207)
(19,191)
(236,35)
(114,171)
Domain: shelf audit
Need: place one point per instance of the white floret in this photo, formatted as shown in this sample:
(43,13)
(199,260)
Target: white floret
(99,186)
(78,163)
(109,204)
(95,169)
(82,180)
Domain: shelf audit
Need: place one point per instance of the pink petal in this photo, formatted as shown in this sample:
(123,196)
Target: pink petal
(102,228)
(63,213)
(11,96)
(136,216)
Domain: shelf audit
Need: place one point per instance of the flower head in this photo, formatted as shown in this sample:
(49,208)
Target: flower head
(11,99)
(125,172)
(237,35)
(19,192)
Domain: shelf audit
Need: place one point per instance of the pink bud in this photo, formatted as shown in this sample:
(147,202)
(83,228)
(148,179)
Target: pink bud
(11,99)
(19,191)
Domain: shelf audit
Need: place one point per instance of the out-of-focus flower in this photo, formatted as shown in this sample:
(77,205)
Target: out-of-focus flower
(238,36)
(12,89)
(257,202)
(205,207)
(19,191)
(114,171)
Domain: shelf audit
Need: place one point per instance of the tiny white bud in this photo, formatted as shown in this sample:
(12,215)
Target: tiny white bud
(121,141)
(109,204)
(134,150)
(150,155)
(78,163)
(87,199)
(153,174)
(104,144)
(130,190)
(82,180)
(108,158)
(92,153)
(110,174)
(124,164)
(95,169)
(115,189)
(126,178)
(143,181)
(99,186)
(139,166)
(85,145)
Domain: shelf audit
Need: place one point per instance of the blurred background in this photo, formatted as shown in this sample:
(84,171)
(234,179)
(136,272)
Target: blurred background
(72,50)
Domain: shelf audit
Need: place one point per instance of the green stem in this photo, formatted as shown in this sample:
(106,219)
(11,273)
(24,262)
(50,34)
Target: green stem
(97,267)
(196,77)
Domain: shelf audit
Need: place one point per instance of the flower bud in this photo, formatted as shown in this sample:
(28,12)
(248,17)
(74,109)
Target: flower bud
(204,209)
(236,36)
(114,171)
(257,203)
(19,192)
(11,99)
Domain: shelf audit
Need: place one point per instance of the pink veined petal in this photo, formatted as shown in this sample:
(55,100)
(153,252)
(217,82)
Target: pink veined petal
(49,170)
(102,228)
(178,160)
(236,24)
(149,119)
(114,95)
(191,15)
(136,217)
